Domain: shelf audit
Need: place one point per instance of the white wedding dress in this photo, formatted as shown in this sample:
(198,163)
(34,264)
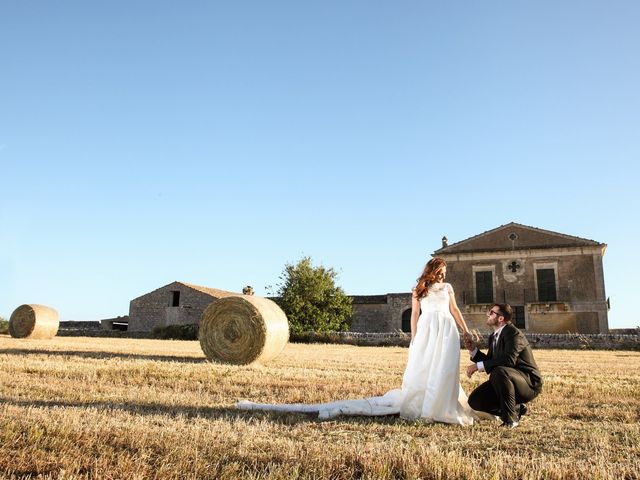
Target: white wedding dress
(431,388)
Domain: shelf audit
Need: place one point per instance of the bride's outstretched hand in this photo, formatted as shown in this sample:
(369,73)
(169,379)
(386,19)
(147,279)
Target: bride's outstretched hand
(476,335)
(467,338)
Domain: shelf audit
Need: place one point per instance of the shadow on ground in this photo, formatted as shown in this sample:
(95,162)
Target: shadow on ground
(102,355)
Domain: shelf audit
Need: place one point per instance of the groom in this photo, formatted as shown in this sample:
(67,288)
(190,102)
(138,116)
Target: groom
(514,378)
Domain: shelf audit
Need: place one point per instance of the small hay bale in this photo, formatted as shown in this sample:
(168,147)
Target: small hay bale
(34,321)
(243,329)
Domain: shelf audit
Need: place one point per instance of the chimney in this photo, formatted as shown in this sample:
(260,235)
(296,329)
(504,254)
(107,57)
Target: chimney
(445,242)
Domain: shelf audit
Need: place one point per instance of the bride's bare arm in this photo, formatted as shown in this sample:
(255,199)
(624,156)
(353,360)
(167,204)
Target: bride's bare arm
(455,311)
(415,313)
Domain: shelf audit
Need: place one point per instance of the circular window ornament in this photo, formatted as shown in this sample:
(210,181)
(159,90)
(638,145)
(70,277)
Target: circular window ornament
(513,236)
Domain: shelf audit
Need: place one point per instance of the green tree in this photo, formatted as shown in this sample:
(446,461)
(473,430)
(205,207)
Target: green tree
(311,300)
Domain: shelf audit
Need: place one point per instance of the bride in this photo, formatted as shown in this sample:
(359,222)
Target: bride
(431,388)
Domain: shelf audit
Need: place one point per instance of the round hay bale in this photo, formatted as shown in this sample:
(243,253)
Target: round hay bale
(243,329)
(34,321)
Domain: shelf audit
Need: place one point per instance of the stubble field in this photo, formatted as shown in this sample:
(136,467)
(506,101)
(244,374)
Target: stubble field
(76,407)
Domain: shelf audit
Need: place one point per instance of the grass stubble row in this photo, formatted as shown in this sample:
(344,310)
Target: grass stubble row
(123,408)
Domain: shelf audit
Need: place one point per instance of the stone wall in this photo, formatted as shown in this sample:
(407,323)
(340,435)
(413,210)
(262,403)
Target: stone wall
(537,340)
(575,341)
(101,333)
(79,325)
(370,314)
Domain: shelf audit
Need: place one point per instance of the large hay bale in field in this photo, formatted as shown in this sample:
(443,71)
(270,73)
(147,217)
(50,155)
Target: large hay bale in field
(34,321)
(243,329)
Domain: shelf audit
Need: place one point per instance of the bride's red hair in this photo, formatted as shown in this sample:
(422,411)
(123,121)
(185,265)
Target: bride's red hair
(429,276)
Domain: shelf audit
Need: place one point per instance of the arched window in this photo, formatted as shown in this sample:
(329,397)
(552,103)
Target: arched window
(406,321)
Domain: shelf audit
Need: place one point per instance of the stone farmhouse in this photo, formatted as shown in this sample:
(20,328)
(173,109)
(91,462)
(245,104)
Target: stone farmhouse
(553,281)
(178,303)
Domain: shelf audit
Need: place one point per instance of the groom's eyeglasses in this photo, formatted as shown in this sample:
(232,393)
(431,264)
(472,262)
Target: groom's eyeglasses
(492,312)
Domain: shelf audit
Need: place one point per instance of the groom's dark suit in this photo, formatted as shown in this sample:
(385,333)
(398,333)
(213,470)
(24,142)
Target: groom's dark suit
(514,377)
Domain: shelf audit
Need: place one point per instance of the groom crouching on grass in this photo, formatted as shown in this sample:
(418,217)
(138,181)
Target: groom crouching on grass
(514,378)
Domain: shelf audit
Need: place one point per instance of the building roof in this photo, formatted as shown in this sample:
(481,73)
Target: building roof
(515,236)
(213,292)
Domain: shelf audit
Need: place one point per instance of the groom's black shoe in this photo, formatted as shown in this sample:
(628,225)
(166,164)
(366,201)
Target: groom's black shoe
(509,425)
(523,411)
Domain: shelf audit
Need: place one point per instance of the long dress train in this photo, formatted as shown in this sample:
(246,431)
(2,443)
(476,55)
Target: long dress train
(431,388)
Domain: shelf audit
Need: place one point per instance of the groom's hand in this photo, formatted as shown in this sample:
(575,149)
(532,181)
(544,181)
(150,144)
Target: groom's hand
(471,369)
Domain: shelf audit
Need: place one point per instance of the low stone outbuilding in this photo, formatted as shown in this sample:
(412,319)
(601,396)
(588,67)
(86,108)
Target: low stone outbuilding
(381,313)
(177,303)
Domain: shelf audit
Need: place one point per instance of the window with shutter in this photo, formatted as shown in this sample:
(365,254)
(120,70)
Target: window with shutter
(484,287)
(546,285)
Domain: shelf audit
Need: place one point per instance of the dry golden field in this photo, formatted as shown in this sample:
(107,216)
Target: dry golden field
(76,407)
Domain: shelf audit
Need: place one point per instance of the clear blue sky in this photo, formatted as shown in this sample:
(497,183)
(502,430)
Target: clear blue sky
(212,142)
